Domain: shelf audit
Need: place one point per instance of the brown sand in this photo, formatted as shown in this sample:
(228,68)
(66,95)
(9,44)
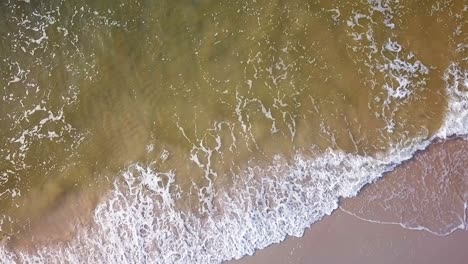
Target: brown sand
(429,191)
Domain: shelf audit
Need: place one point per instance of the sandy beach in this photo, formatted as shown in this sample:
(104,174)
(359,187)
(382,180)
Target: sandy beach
(373,234)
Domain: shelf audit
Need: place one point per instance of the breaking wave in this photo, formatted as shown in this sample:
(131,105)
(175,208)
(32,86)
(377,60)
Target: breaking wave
(139,221)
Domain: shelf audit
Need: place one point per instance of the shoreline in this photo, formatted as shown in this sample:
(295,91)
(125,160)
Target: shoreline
(388,239)
(71,234)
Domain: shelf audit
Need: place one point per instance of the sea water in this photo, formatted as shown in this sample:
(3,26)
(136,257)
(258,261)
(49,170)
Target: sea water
(201,131)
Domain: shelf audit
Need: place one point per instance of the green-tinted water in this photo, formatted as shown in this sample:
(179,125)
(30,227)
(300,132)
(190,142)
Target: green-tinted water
(203,87)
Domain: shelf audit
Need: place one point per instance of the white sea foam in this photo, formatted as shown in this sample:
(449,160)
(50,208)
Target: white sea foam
(139,223)
(456,120)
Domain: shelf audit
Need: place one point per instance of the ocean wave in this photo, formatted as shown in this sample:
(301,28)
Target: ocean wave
(140,222)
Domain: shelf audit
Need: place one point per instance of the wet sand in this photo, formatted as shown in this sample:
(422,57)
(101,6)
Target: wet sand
(342,238)
(429,192)
(432,194)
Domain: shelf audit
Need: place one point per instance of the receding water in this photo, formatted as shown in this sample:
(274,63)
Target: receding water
(199,92)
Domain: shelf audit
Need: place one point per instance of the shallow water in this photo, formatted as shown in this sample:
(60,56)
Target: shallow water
(190,111)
